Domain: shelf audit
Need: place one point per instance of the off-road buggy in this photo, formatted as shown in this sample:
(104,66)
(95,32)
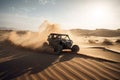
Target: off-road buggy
(61,41)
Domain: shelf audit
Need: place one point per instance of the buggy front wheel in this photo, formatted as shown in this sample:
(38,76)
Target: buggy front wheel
(75,48)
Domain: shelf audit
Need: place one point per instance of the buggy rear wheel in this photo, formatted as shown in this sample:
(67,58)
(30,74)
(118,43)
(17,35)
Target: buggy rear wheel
(58,49)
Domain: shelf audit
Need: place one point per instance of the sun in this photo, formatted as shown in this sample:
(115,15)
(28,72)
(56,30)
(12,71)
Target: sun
(99,13)
(91,16)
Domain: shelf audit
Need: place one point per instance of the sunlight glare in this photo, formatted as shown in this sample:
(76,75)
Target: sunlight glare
(99,12)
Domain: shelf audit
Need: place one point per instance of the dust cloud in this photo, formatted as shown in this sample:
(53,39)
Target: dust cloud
(34,40)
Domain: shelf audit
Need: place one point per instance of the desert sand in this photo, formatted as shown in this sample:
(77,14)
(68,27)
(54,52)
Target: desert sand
(22,58)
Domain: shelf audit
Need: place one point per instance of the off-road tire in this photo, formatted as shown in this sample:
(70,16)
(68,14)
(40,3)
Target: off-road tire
(45,44)
(75,48)
(58,49)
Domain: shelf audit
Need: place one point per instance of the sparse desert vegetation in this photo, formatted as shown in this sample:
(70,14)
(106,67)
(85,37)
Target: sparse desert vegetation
(117,41)
(91,41)
(107,42)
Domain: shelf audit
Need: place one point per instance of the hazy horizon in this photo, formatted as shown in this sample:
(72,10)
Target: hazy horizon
(69,14)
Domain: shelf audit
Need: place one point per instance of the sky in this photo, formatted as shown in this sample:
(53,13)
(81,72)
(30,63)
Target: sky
(69,14)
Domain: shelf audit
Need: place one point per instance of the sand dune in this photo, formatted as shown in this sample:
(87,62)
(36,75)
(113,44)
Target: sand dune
(23,56)
(97,32)
(21,64)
